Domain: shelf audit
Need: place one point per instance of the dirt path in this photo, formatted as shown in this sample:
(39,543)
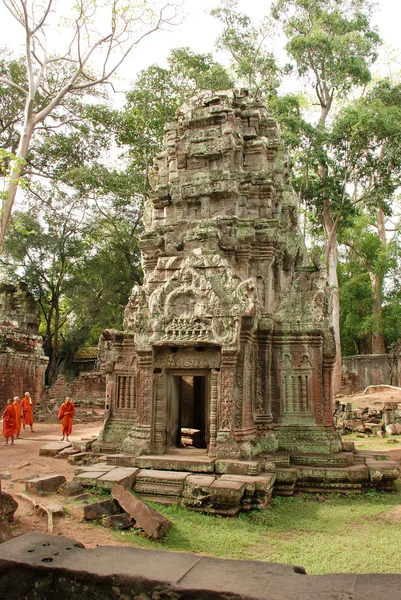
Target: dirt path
(14,459)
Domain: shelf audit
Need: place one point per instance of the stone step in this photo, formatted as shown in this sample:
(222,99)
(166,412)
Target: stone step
(340,459)
(159,483)
(239,467)
(382,469)
(280,459)
(159,499)
(176,462)
(53,448)
(121,460)
(326,487)
(106,478)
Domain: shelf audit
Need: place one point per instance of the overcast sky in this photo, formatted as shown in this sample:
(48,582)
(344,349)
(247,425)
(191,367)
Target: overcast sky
(199,31)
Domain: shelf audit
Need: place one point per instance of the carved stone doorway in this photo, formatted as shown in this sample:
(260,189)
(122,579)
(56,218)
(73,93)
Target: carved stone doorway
(187,409)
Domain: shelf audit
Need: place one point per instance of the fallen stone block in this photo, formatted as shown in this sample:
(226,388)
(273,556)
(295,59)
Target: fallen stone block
(8,506)
(95,511)
(153,524)
(123,476)
(65,454)
(71,488)
(53,448)
(41,485)
(26,478)
(89,478)
(80,458)
(5,532)
(5,475)
(394,429)
(105,468)
(84,445)
(348,446)
(81,498)
(118,522)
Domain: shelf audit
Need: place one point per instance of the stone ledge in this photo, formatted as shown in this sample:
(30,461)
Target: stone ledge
(55,567)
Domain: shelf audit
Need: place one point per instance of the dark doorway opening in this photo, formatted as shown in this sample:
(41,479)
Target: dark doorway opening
(189,418)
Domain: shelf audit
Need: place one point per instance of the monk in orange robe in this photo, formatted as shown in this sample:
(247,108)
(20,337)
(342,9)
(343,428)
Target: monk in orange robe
(9,422)
(65,415)
(18,411)
(27,410)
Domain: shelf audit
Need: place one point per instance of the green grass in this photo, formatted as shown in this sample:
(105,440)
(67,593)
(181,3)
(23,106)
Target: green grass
(357,533)
(374,443)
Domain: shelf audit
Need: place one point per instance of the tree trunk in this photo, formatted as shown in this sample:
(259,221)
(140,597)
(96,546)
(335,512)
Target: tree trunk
(16,171)
(378,346)
(331,264)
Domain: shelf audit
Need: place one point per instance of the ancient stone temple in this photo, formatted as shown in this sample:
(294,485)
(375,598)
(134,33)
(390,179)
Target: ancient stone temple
(228,344)
(22,360)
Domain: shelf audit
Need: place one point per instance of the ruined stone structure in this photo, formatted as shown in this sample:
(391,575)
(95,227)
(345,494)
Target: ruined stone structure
(22,360)
(230,335)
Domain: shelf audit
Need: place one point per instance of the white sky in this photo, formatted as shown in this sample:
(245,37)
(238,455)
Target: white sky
(199,31)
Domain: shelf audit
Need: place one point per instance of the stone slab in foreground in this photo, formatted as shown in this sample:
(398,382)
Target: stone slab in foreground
(58,568)
(49,483)
(153,523)
(53,448)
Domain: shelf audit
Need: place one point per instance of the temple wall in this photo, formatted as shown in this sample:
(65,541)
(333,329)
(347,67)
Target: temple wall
(87,388)
(369,369)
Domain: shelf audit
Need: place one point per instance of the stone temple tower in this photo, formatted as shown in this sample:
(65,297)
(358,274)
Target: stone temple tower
(230,334)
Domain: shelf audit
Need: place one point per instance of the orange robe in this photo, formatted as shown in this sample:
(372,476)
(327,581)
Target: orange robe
(18,410)
(27,411)
(65,415)
(9,421)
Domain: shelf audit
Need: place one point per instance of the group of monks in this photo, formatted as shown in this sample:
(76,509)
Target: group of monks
(18,410)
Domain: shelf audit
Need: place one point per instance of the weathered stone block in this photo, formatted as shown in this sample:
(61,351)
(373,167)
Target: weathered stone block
(49,483)
(70,488)
(154,524)
(8,506)
(193,464)
(89,479)
(5,532)
(118,522)
(53,448)
(239,467)
(83,445)
(124,476)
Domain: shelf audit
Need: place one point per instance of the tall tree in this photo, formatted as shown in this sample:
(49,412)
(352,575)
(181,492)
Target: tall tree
(366,141)
(333,45)
(98,38)
(44,246)
(250,47)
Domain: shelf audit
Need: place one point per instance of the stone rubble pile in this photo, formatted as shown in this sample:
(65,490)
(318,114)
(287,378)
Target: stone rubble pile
(368,420)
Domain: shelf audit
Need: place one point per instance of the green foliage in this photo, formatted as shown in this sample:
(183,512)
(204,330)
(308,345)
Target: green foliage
(331,41)
(254,65)
(365,260)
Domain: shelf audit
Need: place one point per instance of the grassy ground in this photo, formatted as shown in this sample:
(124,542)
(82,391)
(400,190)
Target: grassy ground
(359,533)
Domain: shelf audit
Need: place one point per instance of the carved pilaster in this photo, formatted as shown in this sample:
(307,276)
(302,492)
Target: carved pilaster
(214,401)
(227,392)
(159,441)
(145,389)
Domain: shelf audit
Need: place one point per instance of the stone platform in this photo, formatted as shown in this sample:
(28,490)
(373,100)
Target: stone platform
(50,567)
(226,487)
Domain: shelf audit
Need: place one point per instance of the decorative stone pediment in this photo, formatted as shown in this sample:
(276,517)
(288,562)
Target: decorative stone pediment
(200,300)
